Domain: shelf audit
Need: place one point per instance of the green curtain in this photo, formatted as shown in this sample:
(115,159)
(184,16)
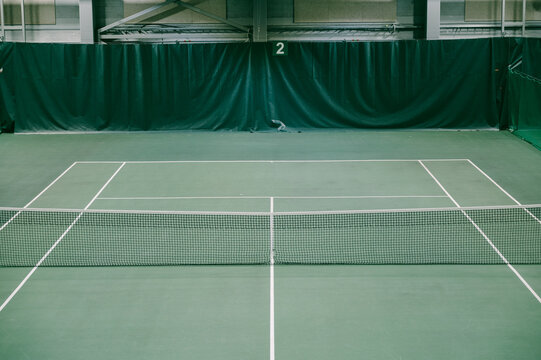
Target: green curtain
(531,64)
(524,99)
(365,85)
(400,84)
(6,95)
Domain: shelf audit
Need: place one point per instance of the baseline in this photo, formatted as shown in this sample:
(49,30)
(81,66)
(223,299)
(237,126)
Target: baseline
(261,161)
(269,197)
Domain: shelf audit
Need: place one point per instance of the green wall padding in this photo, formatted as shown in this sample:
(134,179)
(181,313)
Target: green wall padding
(400,84)
(524,99)
(6,95)
(524,94)
(531,136)
(531,64)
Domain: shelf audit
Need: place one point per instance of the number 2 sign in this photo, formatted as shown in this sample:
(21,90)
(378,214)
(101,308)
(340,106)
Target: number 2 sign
(279,48)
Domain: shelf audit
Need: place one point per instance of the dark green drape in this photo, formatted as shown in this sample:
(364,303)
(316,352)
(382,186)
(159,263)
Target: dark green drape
(403,84)
(7,102)
(532,57)
(399,84)
(524,101)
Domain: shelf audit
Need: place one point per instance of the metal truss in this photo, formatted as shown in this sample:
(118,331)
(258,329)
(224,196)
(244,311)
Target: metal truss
(123,31)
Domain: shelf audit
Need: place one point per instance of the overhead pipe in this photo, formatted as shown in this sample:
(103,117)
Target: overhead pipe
(2,25)
(503,17)
(523,17)
(23,23)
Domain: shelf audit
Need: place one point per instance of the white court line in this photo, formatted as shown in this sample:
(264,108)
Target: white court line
(502,189)
(266,197)
(271,278)
(37,196)
(494,182)
(524,282)
(51,184)
(56,242)
(262,161)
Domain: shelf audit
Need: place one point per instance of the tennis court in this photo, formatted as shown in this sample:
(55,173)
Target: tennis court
(272,222)
(293,185)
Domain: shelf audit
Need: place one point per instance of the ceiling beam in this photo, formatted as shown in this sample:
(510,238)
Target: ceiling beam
(86,21)
(260,20)
(135,16)
(432,19)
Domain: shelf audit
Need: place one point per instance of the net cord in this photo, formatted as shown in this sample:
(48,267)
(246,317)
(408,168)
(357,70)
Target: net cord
(275,213)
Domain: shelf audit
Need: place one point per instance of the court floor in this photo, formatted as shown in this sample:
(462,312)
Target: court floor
(284,311)
(293,185)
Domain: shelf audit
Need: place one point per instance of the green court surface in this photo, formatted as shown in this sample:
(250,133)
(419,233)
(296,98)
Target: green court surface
(278,311)
(531,136)
(295,185)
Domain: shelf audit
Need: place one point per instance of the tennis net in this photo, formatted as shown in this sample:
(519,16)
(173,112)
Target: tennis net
(30,237)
